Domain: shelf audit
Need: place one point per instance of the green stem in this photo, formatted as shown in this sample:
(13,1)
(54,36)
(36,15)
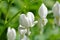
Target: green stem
(42,30)
(12,18)
(9,4)
(7,24)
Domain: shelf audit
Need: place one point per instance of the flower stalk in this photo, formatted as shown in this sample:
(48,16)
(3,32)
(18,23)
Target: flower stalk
(43,20)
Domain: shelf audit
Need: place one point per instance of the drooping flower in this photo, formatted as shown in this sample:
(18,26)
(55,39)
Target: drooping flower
(56,12)
(43,11)
(11,34)
(27,20)
(56,9)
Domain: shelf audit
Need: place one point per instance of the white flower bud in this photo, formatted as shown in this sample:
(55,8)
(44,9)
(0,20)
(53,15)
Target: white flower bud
(11,34)
(56,12)
(43,11)
(56,9)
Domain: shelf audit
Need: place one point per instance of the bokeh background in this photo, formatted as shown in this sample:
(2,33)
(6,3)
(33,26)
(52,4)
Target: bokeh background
(10,11)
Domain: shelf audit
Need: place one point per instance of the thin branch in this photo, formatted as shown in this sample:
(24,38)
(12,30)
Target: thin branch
(6,25)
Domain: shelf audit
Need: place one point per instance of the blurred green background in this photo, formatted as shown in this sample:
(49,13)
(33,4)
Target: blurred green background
(10,11)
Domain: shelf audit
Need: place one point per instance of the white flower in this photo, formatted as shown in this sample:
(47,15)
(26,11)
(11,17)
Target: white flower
(43,11)
(11,34)
(56,9)
(56,12)
(27,20)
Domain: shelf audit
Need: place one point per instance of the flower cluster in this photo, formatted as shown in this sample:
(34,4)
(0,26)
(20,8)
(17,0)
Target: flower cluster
(27,20)
(43,11)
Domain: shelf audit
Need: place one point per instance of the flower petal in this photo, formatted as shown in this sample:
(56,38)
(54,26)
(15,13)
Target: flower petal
(24,20)
(35,22)
(30,16)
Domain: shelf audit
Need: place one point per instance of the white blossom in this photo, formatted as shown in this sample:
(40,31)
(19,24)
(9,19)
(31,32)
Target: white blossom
(27,20)
(43,11)
(11,34)
(56,9)
(56,13)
